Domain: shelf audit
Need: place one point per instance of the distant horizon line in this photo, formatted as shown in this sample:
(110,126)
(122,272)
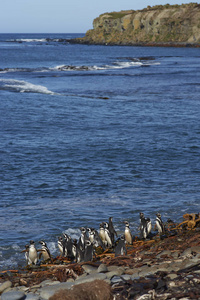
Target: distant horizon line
(42,32)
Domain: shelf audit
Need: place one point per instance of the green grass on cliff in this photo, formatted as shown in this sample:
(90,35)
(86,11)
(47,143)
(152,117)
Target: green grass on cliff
(117,15)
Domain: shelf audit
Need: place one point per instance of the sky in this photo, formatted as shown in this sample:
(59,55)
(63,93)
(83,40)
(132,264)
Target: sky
(62,16)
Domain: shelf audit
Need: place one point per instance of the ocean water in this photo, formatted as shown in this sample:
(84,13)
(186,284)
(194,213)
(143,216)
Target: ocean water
(89,132)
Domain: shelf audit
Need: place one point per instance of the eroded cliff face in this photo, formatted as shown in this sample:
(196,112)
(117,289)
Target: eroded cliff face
(158,24)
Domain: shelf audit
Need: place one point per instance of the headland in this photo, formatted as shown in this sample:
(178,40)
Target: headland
(160,25)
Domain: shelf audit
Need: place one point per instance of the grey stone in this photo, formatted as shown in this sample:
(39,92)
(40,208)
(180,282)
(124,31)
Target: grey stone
(116,279)
(70,280)
(116,272)
(36,286)
(163,265)
(195,249)
(163,270)
(91,277)
(189,263)
(126,277)
(32,296)
(33,290)
(89,269)
(5,285)
(107,280)
(114,268)
(9,289)
(48,291)
(190,276)
(22,288)
(13,296)
(174,266)
(153,269)
(164,252)
(172,284)
(145,270)
(48,282)
(172,276)
(131,271)
(81,276)
(135,276)
(102,268)
(186,252)
(175,254)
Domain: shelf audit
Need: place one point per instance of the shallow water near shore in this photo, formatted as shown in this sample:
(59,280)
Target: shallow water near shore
(89,132)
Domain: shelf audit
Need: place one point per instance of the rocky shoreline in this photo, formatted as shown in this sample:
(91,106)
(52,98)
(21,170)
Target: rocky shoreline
(167,268)
(135,44)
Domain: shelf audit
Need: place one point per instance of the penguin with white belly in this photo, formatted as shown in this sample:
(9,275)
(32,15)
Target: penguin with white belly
(32,253)
(44,252)
(127,234)
(159,224)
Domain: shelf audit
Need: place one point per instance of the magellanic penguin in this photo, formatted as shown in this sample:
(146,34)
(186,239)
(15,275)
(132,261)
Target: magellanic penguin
(32,253)
(79,253)
(102,234)
(91,234)
(120,249)
(145,226)
(68,244)
(61,245)
(83,238)
(88,253)
(111,230)
(159,224)
(26,251)
(108,236)
(127,234)
(74,248)
(97,240)
(44,252)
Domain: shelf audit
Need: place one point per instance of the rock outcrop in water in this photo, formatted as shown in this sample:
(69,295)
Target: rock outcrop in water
(168,24)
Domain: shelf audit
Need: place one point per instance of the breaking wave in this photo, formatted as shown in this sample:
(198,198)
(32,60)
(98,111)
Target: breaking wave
(63,68)
(39,40)
(23,87)
(31,40)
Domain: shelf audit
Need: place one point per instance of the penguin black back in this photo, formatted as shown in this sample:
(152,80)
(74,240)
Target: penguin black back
(88,253)
(111,230)
(120,248)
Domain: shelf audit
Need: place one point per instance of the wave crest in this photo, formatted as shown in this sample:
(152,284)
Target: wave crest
(23,87)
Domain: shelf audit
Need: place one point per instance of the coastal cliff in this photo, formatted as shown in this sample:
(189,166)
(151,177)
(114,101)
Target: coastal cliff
(160,24)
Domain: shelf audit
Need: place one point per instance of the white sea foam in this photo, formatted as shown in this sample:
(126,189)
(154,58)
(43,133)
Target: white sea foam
(16,247)
(62,68)
(31,40)
(116,65)
(23,87)
(73,232)
(52,247)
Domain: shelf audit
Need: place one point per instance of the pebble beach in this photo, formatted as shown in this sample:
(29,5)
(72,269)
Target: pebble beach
(160,268)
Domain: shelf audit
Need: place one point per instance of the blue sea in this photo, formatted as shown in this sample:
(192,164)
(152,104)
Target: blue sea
(90,131)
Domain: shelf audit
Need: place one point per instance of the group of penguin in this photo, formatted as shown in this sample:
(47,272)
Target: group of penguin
(83,250)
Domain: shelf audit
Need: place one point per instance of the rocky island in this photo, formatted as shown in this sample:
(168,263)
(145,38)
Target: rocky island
(162,25)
